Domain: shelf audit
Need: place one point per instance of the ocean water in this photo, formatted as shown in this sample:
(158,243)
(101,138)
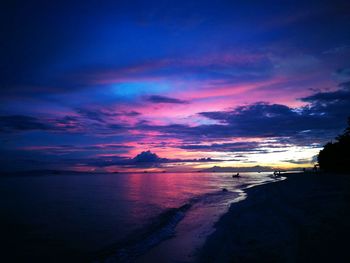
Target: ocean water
(113,217)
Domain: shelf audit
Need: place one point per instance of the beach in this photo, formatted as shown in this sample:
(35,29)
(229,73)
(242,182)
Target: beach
(305,218)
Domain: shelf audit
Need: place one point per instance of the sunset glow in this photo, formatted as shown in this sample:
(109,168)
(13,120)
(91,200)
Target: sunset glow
(185,83)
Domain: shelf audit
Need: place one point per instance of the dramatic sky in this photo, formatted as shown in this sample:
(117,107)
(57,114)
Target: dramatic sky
(94,85)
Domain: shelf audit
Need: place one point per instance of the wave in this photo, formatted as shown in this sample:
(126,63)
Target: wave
(161,228)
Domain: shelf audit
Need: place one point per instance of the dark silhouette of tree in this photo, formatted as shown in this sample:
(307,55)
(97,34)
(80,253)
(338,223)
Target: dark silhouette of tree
(335,156)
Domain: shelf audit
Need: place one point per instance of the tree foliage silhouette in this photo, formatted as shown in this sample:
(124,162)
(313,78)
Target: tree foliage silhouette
(335,156)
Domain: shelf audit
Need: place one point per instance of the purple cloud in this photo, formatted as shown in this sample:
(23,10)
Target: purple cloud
(163,99)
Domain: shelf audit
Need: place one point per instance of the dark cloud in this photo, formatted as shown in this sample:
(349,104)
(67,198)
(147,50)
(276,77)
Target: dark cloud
(223,147)
(301,161)
(260,119)
(11,123)
(103,114)
(145,159)
(163,99)
(270,120)
(327,99)
(86,121)
(323,117)
(96,114)
(148,157)
(18,123)
(131,113)
(245,147)
(69,148)
(332,108)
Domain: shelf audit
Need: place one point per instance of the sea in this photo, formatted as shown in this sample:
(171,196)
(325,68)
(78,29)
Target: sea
(122,217)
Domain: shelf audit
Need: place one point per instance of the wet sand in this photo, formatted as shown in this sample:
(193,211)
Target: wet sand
(305,218)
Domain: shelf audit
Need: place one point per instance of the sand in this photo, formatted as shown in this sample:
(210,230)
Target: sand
(305,218)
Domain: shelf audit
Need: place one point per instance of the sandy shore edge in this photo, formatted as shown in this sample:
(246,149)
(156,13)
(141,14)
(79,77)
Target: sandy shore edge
(305,218)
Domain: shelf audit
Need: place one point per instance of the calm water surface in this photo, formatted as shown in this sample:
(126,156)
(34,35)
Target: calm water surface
(79,217)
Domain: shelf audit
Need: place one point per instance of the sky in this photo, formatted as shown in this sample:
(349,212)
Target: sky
(171,85)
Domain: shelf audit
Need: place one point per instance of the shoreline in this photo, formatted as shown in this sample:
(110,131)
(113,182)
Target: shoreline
(304,218)
(198,224)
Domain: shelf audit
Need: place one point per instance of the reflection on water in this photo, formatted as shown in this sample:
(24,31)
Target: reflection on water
(84,214)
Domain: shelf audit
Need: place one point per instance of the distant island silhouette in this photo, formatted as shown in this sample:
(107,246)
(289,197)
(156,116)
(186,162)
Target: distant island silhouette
(257,168)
